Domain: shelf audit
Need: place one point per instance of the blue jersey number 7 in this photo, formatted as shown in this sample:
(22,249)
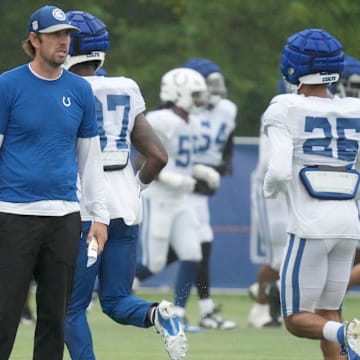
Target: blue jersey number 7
(112,102)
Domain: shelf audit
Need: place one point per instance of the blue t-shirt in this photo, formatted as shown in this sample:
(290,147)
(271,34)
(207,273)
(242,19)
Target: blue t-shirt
(41,121)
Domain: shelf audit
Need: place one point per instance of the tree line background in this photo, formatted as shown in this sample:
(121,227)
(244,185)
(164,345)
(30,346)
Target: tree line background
(150,37)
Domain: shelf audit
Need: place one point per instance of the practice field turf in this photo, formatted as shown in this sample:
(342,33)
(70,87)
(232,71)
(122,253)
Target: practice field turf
(114,342)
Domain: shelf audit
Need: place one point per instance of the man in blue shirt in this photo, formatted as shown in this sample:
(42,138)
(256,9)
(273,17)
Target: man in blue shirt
(48,140)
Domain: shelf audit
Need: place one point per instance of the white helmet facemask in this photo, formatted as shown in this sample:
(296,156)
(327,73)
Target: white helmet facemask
(217,89)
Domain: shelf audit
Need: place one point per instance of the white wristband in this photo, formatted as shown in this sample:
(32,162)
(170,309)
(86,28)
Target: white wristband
(141,184)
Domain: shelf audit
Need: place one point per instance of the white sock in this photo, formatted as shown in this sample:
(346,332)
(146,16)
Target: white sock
(330,330)
(152,314)
(206,306)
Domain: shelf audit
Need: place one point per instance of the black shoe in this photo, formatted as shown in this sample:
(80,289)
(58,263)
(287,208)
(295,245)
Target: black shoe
(27,317)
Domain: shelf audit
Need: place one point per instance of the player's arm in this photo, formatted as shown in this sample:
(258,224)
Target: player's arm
(226,168)
(280,162)
(152,156)
(207,179)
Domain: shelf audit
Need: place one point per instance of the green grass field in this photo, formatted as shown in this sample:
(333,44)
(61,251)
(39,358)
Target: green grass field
(114,342)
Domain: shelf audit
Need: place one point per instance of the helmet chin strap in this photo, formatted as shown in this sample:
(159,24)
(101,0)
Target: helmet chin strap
(78,59)
(322,78)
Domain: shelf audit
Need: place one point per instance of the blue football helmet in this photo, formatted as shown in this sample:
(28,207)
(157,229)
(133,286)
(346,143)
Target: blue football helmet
(203,66)
(312,56)
(349,84)
(91,43)
(213,76)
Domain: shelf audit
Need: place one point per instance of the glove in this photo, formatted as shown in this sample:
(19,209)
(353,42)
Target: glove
(177,181)
(207,174)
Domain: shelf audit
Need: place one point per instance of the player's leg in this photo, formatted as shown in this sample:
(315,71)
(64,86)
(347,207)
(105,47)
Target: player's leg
(18,242)
(54,274)
(272,229)
(201,207)
(77,331)
(116,277)
(202,273)
(309,302)
(210,317)
(202,280)
(115,282)
(186,244)
(154,236)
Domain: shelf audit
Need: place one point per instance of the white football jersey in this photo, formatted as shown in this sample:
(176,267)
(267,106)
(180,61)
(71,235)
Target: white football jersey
(179,139)
(118,102)
(216,126)
(310,131)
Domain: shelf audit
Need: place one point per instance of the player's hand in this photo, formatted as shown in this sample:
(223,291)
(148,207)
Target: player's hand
(188,184)
(177,181)
(207,174)
(99,231)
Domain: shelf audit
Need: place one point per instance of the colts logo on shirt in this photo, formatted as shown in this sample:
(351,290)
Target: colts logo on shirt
(66,101)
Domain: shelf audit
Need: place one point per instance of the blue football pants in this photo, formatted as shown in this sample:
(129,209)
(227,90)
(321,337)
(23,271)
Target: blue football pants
(115,269)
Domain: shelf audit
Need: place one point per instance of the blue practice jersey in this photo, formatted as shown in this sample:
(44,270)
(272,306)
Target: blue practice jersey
(41,121)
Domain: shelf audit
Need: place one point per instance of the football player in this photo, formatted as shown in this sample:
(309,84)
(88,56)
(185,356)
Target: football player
(215,149)
(169,218)
(268,235)
(121,122)
(349,83)
(314,146)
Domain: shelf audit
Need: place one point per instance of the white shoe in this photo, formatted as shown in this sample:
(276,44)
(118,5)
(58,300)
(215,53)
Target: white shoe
(352,339)
(253,291)
(214,320)
(136,285)
(168,325)
(27,316)
(259,316)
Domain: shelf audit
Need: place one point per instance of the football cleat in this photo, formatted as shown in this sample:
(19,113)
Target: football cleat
(352,339)
(27,317)
(168,325)
(259,317)
(214,320)
(253,291)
